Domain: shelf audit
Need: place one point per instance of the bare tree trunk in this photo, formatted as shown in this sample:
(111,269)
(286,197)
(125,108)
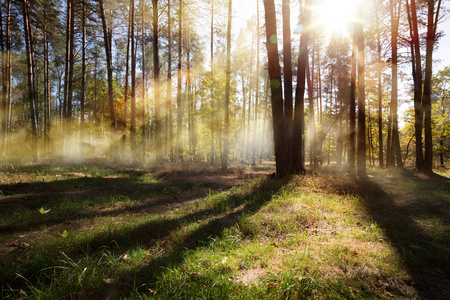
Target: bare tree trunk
(312,122)
(418,92)
(144,84)
(169,82)
(380,96)
(288,88)
(30,71)
(431,36)
(213,114)
(133,80)
(8,50)
(352,115)
(127,72)
(156,71)
(227,92)
(361,161)
(179,108)
(107,34)
(279,126)
(83,63)
(299,114)
(257,86)
(4,83)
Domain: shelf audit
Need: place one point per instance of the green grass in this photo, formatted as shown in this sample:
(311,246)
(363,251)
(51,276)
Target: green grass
(137,235)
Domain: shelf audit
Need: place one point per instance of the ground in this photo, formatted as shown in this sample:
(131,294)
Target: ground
(91,232)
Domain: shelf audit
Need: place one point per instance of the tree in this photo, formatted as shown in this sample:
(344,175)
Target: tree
(432,20)
(107,39)
(31,76)
(361,154)
(156,71)
(227,92)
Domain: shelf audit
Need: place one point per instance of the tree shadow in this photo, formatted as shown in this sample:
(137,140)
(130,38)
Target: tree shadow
(424,253)
(72,198)
(213,221)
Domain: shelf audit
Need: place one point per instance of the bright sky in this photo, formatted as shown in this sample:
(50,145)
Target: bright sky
(333,14)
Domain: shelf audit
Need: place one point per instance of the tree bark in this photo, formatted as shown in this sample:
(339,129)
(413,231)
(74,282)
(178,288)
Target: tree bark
(179,107)
(107,36)
(288,88)
(156,71)
(299,113)
(30,75)
(361,161)
(227,93)
(352,115)
(279,129)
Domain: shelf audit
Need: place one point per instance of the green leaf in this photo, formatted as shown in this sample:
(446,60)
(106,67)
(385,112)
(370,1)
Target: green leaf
(43,211)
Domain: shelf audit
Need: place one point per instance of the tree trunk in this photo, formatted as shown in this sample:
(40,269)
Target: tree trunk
(380,95)
(179,108)
(299,114)
(156,71)
(361,161)
(418,92)
(352,115)
(257,86)
(213,114)
(279,129)
(4,83)
(30,75)
(227,93)
(288,89)
(83,63)
(169,82)
(431,35)
(107,35)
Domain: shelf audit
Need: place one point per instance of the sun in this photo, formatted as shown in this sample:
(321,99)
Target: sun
(334,16)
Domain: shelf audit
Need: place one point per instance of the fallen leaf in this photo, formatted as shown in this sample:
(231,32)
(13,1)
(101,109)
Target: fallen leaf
(43,211)
(354,252)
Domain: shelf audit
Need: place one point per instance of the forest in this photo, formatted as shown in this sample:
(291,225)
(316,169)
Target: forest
(258,149)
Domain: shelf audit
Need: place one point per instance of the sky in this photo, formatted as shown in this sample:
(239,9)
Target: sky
(244,10)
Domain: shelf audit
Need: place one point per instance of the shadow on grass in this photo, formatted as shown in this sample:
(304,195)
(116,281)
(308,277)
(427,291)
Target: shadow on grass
(213,221)
(72,199)
(424,254)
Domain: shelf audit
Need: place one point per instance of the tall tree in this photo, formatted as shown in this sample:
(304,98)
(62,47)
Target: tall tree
(107,40)
(416,63)
(352,114)
(133,78)
(83,62)
(227,92)
(70,44)
(255,148)
(299,113)
(394,153)
(361,161)
(31,76)
(279,128)
(179,108)
(432,19)
(287,67)
(156,71)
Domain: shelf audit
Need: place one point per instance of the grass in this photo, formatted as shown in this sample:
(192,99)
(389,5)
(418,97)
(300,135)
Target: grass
(142,234)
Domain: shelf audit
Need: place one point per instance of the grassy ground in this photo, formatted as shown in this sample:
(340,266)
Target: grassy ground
(89,232)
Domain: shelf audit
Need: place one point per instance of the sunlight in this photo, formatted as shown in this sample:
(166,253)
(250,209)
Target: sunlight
(335,16)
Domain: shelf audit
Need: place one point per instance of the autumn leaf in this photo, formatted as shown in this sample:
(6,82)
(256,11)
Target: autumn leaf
(43,211)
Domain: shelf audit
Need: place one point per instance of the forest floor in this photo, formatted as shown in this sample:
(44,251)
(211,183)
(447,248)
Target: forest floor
(95,232)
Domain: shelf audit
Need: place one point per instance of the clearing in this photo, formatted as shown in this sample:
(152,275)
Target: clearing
(93,232)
